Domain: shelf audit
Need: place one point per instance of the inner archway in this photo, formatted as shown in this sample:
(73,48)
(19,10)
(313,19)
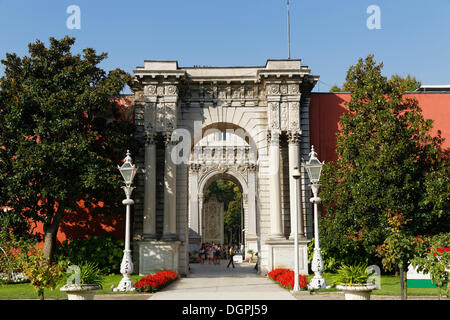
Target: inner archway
(223,210)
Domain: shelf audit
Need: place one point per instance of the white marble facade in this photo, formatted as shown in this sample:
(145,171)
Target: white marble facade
(258,118)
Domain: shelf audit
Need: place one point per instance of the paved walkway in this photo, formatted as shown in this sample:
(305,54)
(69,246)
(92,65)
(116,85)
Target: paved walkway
(216,282)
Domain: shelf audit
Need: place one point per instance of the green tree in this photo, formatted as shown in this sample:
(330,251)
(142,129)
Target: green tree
(434,258)
(228,192)
(335,88)
(399,248)
(61,134)
(386,160)
(409,83)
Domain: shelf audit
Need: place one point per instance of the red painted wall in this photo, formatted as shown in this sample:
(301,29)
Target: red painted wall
(326,109)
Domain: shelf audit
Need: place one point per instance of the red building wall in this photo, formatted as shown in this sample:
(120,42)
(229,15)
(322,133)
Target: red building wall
(326,109)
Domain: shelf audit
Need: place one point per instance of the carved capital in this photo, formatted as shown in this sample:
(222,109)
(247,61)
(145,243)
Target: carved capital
(273,136)
(169,139)
(252,167)
(150,136)
(195,167)
(294,137)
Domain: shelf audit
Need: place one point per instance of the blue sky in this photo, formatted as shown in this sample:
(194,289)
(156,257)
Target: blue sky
(328,35)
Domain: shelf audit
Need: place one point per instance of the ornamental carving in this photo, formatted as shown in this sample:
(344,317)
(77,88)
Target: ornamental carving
(149,136)
(294,137)
(284,115)
(294,89)
(171,90)
(150,90)
(274,89)
(195,167)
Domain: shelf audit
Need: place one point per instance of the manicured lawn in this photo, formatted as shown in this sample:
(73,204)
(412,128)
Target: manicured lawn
(26,291)
(390,286)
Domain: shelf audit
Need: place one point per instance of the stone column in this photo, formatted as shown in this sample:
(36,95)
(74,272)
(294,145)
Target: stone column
(274,185)
(194,213)
(200,214)
(251,223)
(170,192)
(294,161)
(149,225)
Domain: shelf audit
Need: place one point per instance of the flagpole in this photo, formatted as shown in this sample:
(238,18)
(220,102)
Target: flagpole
(289,30)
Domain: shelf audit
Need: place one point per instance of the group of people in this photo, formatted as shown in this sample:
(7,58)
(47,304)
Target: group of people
(214,253)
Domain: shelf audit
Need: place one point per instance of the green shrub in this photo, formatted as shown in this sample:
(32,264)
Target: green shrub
(42,273)
(352,275)
(103,251)
(14,254)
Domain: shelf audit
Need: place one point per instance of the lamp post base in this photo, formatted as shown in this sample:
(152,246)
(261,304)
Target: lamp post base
(126,284)
(126,268)
(318,282)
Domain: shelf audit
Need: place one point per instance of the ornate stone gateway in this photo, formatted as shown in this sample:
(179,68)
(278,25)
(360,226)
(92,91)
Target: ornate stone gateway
(246,124)
(212,217)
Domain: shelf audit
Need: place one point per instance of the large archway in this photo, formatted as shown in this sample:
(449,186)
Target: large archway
(222,155)
(271,102)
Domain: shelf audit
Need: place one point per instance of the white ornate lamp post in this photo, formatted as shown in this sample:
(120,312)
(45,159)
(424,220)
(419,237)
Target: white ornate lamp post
(314,168)
(128,171)
(296,176)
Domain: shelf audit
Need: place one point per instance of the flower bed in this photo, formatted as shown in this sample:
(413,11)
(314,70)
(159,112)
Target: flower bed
(155,282)
(285,278)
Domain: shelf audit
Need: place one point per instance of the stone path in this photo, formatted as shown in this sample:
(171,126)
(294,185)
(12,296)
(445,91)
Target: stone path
(216,282)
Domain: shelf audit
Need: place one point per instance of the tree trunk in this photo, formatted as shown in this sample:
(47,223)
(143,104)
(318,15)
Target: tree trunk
(50,240)
(50,232)
(403,288)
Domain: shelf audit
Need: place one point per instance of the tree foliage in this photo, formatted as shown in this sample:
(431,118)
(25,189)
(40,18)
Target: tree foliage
(228,192)
(61,133)
(408,83)
(387,159)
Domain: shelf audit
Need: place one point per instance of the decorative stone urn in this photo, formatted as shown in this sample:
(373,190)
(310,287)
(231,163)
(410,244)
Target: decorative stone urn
(357,292)
(81,291)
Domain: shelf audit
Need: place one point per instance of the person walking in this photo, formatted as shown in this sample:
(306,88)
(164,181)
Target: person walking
(210,254)
(231,254)
(217,254)
(202,254)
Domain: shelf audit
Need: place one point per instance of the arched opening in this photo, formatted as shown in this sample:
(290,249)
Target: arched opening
(223,218)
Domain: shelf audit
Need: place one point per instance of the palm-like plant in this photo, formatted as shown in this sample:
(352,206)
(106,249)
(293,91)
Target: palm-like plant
(352,275)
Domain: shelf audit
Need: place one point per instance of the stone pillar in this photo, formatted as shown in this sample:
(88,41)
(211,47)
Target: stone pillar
(170,192)
(149,225)
(251,223)
(274,185)
(294,161)
(194,213)
(200,213)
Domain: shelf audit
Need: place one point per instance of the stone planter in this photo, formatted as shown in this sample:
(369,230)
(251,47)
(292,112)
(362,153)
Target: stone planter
(357,292)
(80,292)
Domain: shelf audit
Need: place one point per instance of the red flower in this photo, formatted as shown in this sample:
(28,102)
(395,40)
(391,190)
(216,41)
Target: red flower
(154,282)
(285,278)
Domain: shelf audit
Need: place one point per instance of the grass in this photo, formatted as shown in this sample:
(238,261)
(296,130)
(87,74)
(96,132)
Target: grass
(26,291)
(390,286)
